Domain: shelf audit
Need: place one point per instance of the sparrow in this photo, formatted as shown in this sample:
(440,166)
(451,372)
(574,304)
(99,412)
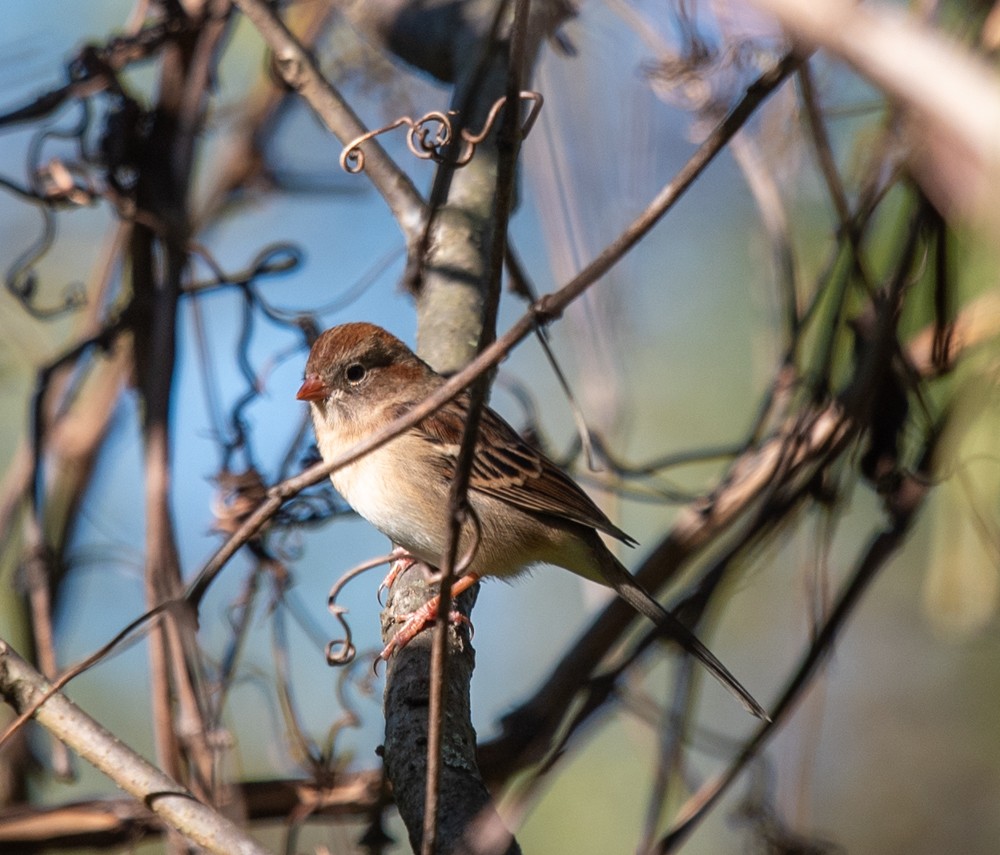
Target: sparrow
(525,510)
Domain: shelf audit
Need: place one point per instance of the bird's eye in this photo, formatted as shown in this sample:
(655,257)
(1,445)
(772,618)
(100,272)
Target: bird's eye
(355,372)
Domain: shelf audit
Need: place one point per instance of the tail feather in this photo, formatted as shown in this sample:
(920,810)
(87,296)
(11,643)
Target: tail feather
(628,588)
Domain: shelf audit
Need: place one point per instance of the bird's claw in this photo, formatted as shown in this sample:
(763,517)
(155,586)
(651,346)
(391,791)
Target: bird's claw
(402,562)
(415,622)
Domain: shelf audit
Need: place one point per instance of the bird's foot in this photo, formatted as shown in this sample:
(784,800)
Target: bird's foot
(402,561)
(415,622)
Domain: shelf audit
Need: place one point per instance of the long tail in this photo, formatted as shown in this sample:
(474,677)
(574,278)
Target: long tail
(628,588)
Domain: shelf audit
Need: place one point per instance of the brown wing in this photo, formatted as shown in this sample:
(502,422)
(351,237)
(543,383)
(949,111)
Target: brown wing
(509,469)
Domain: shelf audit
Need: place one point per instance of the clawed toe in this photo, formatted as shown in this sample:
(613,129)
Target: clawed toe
(402,562)
(415,622)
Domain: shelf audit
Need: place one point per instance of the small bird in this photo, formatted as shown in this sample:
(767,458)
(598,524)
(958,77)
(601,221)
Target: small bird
(525,509)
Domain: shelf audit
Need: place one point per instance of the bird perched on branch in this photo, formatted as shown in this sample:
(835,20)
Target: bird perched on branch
(525,509)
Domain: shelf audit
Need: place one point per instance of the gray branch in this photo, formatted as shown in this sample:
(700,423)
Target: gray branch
(23,687)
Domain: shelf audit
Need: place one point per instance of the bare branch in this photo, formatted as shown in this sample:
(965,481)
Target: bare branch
(21,685)
(120,821)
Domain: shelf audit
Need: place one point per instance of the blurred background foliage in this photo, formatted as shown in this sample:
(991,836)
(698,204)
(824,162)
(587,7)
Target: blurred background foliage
(895,748)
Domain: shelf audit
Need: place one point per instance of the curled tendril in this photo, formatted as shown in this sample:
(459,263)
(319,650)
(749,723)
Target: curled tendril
(273,260)
(419,139)
(429,136)
(22,280)
(341,651)
(352,158)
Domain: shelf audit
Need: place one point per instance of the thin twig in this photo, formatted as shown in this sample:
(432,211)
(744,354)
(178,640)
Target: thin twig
(849,226)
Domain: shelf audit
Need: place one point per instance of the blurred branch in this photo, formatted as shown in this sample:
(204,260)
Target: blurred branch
(904,503)
(70,417)
(21,686)
(551,305)
(953,97)
(94,68)
(114,822)
(157,259)
(243,161)
(764,189)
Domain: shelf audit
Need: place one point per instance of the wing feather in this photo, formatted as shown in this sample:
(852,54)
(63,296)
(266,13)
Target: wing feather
(508,468)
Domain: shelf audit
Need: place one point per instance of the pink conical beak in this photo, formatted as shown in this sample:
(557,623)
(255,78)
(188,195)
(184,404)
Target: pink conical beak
(312,389)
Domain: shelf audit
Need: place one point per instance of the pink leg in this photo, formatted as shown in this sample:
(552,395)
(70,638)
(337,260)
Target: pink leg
(425,616)
(403,562)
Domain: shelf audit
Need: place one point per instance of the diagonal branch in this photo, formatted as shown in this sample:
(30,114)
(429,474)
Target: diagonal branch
(21,686)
